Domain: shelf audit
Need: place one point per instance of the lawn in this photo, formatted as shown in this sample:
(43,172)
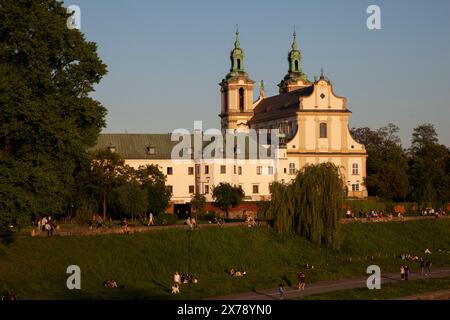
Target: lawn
(143,264)
(387,291)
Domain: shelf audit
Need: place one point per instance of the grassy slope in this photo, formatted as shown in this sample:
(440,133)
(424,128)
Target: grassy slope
(388,291)
(144,263)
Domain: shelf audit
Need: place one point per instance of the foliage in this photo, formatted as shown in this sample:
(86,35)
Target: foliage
(48,119)
(387,165)
(167,218)
(198,202)
(311,205)
(154,182)
(429,166)
(227,196)
(132,199)
(83,215)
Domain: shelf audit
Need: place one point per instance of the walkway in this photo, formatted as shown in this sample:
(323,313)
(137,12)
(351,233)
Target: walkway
(328,286)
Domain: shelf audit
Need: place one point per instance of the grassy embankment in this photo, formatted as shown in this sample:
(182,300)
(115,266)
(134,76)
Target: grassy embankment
(143,264)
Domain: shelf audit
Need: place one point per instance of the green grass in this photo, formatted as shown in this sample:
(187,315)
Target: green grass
(387,291)
(143,264)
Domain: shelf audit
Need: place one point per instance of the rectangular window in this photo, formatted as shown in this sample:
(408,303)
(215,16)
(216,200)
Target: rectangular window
(191,189)
(151,151)
(206,189)
(355,169)
(323,130)
(206,169)
(240,170)
(355,187)
(292,168)
(169,171)
(285,170)
(223,169)
(190,171)
(259,170)
(255,189)
(270,170)
(234,169)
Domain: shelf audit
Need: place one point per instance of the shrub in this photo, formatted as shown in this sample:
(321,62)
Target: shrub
(167,219)
(83,216)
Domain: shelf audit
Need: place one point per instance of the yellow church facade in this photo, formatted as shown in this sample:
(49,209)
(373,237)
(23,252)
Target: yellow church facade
(312,119)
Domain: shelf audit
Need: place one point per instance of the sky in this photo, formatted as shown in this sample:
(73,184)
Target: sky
(166,58)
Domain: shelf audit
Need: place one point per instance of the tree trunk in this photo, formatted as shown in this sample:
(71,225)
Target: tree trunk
(104,206)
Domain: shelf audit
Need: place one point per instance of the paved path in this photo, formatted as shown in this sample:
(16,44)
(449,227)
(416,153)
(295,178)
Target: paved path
(117,230)
(328,286)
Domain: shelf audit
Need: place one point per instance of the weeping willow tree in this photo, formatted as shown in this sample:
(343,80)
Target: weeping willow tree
(310,205)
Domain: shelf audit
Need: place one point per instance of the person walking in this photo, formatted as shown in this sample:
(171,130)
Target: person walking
(281,290)
(422,265)
(177,278)
(301,280)
(428,265)
(406,272)
(402,272)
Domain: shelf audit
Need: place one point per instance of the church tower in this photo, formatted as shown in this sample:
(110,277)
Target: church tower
(236,93)
(295,79)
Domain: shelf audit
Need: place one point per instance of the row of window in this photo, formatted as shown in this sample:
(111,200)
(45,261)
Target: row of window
(255,188)
(259,170)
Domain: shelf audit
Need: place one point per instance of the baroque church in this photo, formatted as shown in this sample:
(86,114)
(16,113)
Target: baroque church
(312,119)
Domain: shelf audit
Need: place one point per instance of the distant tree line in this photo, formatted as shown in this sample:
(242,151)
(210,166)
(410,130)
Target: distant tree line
(419,174)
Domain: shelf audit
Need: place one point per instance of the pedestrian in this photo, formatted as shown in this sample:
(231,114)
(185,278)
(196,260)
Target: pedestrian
(422,265)
(402,272)
(301,281)
(281,290)
(406,272)
(150,220)
(428,265)
(177,278)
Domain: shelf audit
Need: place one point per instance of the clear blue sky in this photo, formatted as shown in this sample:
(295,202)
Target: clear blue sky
(166,58)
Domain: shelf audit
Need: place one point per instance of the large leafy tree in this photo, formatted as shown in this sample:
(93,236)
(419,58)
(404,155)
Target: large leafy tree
(227,196)
(387,166)
(108,171)
(311,205)
(132,199)
(153,181)
(47,118)
(429,166)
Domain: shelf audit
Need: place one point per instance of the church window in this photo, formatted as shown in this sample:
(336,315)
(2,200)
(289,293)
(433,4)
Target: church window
(323,130)
(239,64)
(241,99)
(292,168)
(355,170)
(296,65)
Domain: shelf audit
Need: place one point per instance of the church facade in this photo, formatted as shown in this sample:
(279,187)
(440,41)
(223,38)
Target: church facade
(312,119)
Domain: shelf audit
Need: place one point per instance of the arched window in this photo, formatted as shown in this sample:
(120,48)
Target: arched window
(323,130)
(296,65)
(239,64)
(241,99)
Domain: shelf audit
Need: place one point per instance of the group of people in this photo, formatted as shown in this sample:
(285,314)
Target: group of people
(179,278)
(97,222)
(111,284)
(250,221)
(48,225)
(237,273)
(301,279)
(433,212)
(425,265)
(191,222)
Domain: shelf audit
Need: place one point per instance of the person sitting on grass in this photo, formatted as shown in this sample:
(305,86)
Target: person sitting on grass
(125,227)
(175,288)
